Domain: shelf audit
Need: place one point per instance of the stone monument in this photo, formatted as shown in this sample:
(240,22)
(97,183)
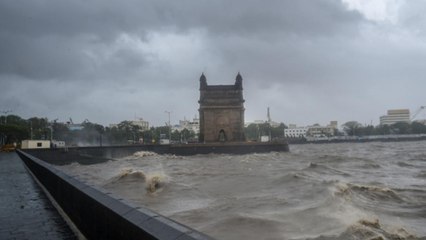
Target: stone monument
(221,111)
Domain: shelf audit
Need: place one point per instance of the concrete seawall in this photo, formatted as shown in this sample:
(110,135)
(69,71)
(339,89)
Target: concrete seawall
(186,149)
(97,215)
(91,155)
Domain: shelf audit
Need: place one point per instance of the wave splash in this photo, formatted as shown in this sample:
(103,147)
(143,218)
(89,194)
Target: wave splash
(139,155)
(153,181)
(347,190)
(371,229)
(142,154)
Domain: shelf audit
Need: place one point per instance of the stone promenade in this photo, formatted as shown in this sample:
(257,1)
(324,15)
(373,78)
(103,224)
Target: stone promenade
(25,211)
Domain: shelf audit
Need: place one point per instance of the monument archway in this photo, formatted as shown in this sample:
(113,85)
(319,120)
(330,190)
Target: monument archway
(222,136)
(221,111)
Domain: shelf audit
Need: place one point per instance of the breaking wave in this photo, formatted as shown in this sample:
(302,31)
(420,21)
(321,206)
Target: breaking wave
(372,229)
(324,169)
(330,191)
(128,174)
(153,181)
(141,154)
(144,154)
(374,193)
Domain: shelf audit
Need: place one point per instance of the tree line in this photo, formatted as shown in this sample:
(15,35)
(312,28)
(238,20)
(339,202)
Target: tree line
(14,129)
(354,128)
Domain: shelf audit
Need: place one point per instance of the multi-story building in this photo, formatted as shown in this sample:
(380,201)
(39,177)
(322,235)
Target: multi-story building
(311,131)
(144,125)
(193,125)
(260,122)
(394,116)
(321,131)
(295,132)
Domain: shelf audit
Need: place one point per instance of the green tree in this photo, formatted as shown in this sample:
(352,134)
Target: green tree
(148,136)
(12,133)
(61,132)
(39,127)
(16,129)
(401,128)
(418,128)
(351,128)
(278,132)
(252,132)
(176,136)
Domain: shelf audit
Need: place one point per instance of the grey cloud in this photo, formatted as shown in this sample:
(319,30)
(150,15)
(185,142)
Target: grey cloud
(285,50)
(69,18)
(43,38)
(41,58)
(412,17)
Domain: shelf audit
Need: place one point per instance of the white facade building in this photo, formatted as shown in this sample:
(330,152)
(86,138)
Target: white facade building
(144,125)
(295,132)
(34,144)
(58,144)
(272,123)
(193,125)
(320,131)
(394,116)
(311,131)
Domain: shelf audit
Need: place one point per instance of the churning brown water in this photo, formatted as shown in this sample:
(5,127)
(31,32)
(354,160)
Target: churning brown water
(327,191)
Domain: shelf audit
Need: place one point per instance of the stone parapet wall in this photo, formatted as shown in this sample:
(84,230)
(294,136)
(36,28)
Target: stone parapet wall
(99,216)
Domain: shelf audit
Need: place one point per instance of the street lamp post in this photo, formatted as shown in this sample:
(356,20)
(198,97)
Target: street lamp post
(170,127)
(51,132)
(31,129)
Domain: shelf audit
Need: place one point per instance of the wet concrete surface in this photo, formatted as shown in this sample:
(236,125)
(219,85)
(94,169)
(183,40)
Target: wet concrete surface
(25,211)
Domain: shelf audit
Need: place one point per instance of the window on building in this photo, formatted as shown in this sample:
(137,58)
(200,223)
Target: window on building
(39,144)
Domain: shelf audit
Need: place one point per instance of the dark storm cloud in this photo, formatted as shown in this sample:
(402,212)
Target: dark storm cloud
(47,39)
(107,18)
(254,17)
(70,18)
(110,60)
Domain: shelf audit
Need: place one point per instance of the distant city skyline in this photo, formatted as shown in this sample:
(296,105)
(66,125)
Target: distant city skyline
(309,61)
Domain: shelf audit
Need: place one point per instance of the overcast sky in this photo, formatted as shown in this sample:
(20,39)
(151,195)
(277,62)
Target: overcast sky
(310,61)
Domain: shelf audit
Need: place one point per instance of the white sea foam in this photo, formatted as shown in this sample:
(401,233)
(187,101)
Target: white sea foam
(318,191)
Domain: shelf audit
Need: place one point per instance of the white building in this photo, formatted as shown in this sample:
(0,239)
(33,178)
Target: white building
(193,125)
(311,131)
(58,144)
(34,144)
(144,125)
(259,122)
(323,131)
(394,116)
(295,132)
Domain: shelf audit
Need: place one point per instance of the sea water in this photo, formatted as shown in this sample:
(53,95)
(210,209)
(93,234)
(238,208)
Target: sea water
(316,191)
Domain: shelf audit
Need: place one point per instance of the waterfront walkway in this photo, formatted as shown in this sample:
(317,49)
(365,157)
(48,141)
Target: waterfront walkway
(25,211)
